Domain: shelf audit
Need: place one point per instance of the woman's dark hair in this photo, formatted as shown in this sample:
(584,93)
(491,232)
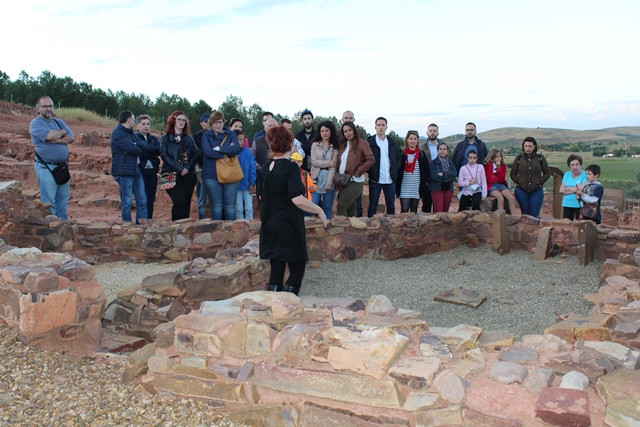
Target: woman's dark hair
(445,144)
(530,139)
(170,128)
(333,138)
(343,139)
(573,157)
(234,121)
(280,139)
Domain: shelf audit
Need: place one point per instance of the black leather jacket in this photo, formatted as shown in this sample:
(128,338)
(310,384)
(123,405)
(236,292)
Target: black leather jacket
(170,149)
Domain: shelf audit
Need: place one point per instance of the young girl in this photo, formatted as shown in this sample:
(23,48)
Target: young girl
(244,200)
(473,184)
(495,171)
(442,173)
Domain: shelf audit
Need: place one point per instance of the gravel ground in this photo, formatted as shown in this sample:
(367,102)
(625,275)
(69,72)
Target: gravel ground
(42,389)
(523,296)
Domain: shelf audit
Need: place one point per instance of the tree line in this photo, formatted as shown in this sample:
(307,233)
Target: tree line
(68,93)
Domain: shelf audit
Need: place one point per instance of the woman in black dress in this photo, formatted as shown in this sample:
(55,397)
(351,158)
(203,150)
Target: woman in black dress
(282,233)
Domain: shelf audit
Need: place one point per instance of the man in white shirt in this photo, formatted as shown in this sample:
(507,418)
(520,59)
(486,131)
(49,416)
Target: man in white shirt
(430,147)
(383,174)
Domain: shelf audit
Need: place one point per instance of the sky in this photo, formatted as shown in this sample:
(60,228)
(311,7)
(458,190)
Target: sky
(554,64)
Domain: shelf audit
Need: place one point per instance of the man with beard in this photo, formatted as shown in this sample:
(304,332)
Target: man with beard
(50,137)
(470,143)
(305,136)
(430,147)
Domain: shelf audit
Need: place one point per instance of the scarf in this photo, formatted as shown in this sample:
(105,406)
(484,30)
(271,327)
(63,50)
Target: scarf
(410,166)
(444,161)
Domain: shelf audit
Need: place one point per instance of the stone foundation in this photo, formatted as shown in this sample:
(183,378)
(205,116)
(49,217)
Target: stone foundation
(282,360)
(51,299)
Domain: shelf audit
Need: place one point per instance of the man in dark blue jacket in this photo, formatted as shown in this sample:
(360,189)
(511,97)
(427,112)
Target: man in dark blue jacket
(383,174)
(471,142)
(125,149)
(149,161)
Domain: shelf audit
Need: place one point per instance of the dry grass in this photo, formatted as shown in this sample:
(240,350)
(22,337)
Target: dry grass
(83,115)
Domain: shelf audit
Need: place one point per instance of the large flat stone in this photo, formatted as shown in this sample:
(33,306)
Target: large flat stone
(313,415)
(186,386)
(369,352)
(347,388)
(462,296)
(415,372)
(590,327)
(508,372)
(462,336)
(618,353)
(41,313)
(563,407)
(620,390)
(519,355)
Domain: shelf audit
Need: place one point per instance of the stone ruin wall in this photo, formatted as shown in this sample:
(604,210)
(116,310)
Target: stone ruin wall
(25,223)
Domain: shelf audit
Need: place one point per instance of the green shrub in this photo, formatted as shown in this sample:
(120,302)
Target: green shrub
(83,115)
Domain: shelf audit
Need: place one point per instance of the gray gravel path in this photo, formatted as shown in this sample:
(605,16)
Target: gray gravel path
(524,296)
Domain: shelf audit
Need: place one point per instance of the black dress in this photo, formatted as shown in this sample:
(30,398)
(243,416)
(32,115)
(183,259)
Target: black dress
(282,231)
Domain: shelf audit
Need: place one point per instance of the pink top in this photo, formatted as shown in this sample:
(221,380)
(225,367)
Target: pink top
(467,172)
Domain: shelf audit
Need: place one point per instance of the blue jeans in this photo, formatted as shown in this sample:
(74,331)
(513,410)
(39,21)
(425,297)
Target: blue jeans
(530,202)
(244,205)
(201,193)
(389,197)
(325,201)
(223,197)
(50,192)
(132,186)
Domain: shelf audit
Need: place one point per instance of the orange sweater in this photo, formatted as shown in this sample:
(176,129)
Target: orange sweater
(309,185)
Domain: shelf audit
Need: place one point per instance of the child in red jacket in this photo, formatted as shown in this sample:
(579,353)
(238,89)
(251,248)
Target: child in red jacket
(309,185)
(495,171)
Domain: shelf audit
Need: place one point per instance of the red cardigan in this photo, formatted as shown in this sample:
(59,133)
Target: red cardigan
(499,177)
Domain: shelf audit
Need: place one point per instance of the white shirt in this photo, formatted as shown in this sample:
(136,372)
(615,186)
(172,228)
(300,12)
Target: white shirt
(433,149)
(385,164)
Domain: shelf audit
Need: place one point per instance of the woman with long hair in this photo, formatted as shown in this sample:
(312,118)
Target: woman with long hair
(354,158)
(324,157)
(529,172)
(282,232)
(218,143)
(413,175)
(443,174)
(179,156)
(495,171)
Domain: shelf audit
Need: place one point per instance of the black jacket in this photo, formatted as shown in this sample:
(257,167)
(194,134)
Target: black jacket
(151,152)
(170,149)
(445,181)
(394,159)
(306,146)
(423,162)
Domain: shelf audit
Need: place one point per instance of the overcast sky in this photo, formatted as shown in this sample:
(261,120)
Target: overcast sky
(564,64)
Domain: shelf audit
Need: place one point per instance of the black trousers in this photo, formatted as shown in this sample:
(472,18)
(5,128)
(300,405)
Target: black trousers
(427,203)
(181,196)
(150,178)
(470,202)
(570,213)
(296,272)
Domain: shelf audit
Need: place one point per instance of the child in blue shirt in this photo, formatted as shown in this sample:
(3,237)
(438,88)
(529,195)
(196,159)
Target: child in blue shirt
(591,195)
(244,199)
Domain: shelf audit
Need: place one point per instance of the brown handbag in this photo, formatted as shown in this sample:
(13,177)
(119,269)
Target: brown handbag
(228,169)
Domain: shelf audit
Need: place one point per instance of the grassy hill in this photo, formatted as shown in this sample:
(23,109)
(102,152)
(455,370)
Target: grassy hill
(515,135)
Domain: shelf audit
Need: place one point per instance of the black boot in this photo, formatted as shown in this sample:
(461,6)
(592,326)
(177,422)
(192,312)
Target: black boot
(293,289)
(274,288)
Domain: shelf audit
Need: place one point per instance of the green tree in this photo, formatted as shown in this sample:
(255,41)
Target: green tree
(399,140)
(4,82)
(253,121)
(232,108)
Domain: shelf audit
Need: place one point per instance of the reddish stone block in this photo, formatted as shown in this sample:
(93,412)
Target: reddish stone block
(563,407)
(41,313)
(41,280)
(88,291)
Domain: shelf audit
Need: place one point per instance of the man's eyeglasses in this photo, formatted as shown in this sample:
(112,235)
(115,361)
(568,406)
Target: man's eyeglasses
(46,106)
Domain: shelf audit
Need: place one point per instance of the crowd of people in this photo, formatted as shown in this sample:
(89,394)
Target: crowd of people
(335,164)
(303,174)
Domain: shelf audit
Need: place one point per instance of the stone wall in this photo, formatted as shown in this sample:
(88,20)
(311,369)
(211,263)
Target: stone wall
(51,299)
(25,223)
(269,358)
